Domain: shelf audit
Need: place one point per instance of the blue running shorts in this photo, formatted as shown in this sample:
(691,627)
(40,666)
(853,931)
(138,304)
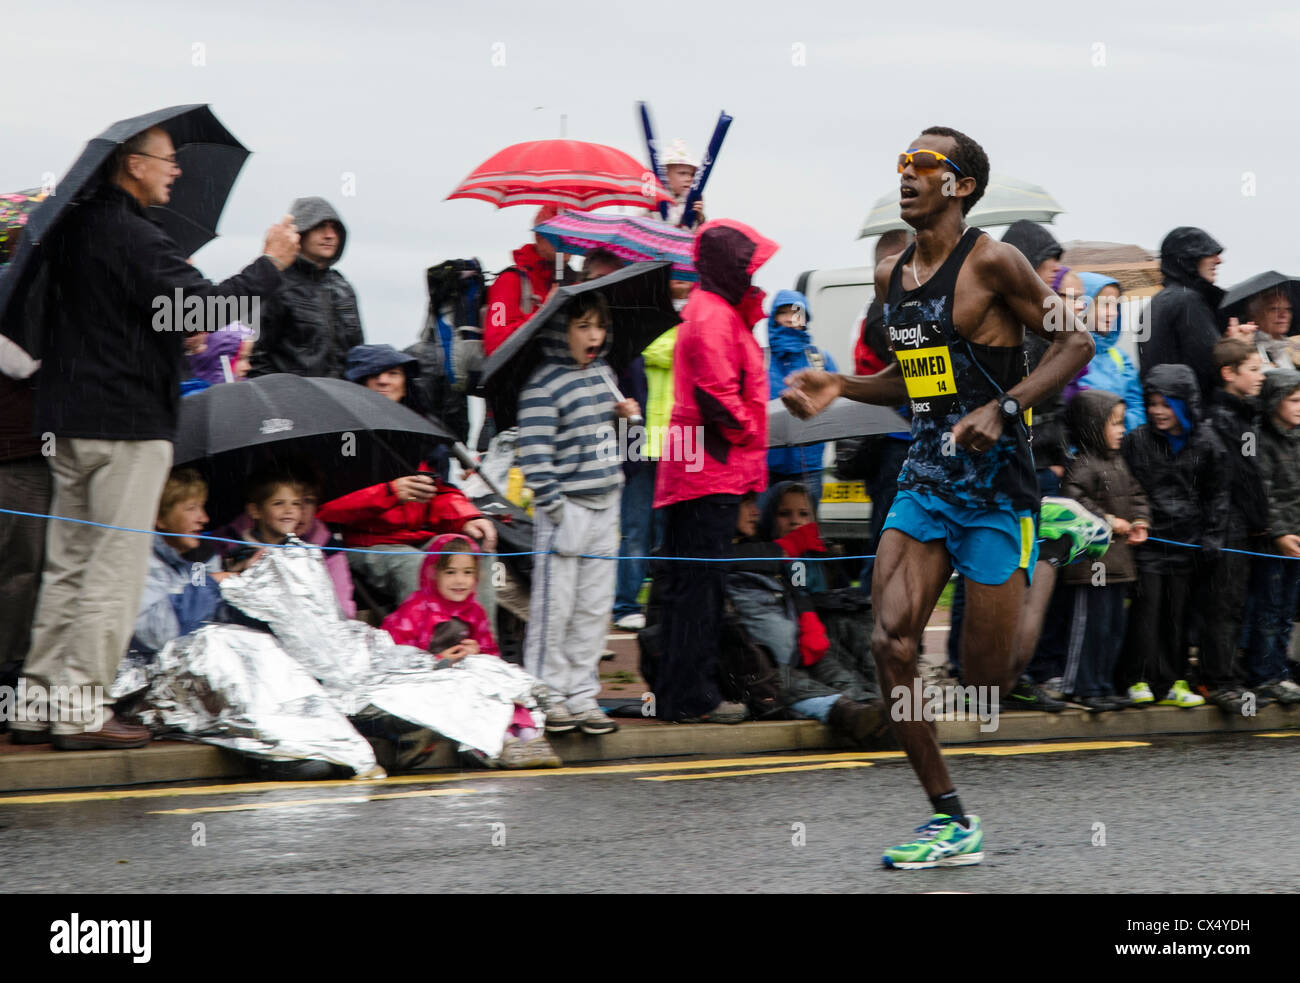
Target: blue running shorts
(987,545)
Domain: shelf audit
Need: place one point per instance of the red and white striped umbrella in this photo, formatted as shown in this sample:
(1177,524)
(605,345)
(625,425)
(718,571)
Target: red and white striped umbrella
(568,173)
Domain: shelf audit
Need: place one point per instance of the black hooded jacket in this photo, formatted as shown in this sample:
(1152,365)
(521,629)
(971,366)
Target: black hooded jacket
(1279,456)
(308,326)
(1234,422)
(1033,240)
(1184,325)
(1188,491)
(112,336)
(1050,445)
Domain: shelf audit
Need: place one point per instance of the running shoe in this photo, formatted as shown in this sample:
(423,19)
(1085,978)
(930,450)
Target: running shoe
(630,622)
(1028,695)
(1285,691)
(1064,518)
(559,720)
(1141,695)
(943,842)
(1181,695)
(595,722)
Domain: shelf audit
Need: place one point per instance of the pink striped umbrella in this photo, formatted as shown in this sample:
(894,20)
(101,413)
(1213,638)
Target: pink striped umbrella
(633,238)
(568,173)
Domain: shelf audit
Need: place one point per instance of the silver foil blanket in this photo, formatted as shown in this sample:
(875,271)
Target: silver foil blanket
(238,689)
(364,671)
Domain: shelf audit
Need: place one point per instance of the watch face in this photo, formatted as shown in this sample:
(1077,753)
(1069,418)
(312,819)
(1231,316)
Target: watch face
(1010,407)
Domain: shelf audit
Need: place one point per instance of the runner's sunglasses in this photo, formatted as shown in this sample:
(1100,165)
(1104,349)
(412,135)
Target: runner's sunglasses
(925,160)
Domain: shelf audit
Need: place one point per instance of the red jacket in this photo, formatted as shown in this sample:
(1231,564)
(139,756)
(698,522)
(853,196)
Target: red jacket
(505,296)
(719,382)
(865,361)
(415,619)
(373,517)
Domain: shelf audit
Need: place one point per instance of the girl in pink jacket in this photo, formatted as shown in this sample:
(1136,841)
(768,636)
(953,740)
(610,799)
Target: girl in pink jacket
(444,617)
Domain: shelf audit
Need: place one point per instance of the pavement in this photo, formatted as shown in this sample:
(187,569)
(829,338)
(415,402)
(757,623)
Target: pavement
(1161,815)
(39,767)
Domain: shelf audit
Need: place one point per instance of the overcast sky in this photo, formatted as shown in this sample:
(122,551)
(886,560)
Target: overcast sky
(1135,124)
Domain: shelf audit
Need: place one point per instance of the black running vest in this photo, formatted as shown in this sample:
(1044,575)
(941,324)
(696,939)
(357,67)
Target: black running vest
(948,377)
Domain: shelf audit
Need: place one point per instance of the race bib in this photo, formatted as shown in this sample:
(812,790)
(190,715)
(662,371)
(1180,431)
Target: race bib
(927,371)
(924,357)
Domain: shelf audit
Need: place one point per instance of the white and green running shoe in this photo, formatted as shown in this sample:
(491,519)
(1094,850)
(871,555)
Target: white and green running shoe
(943,842)
(1140,694)
(1181,695)
(1088,535)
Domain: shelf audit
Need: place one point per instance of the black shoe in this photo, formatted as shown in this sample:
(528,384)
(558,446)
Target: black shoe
(17,736)
(305,770)
(1096,704)
(1029,695)
(1233,702)
(859,722)
(1121,702)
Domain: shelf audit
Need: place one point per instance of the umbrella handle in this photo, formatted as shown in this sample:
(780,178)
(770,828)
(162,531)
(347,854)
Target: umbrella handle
(466,459)
(632,421)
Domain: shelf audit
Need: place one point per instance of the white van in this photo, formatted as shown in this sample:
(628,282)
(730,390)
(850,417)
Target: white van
(837,301)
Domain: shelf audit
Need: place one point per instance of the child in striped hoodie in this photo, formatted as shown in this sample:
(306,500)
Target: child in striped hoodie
(569,458)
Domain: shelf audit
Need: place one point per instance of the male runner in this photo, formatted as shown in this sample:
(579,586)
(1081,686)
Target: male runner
(956,302)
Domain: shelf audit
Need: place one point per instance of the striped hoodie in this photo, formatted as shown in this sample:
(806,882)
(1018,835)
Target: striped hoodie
(567,426)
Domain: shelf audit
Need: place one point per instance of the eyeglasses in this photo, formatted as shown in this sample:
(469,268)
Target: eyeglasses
(925,160)
(170,160)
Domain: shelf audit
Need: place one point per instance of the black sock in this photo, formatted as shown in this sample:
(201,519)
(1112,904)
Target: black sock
(949,805)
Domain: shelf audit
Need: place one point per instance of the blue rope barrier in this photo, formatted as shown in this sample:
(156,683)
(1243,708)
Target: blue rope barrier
(358,549)
(585,556)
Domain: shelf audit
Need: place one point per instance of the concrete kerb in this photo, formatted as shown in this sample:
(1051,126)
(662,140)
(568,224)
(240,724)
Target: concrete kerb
(177,761)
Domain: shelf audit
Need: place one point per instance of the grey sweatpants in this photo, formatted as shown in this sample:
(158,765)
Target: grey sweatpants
(93,577)
(571,600)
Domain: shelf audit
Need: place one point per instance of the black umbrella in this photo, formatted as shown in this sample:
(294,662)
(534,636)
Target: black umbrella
(641,309)
(210,160)
(1234,301)
(339,432)
(843,418)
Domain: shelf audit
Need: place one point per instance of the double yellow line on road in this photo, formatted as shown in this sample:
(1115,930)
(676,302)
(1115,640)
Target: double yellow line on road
(365,791)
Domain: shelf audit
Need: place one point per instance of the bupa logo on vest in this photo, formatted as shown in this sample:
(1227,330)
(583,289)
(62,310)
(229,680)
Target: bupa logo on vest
(275,425)
(910,336)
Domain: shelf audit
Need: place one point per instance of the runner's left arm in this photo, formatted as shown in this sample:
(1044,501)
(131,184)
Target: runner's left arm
(1041,311)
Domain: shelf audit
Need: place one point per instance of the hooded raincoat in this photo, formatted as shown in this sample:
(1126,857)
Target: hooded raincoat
(516,292)
(308,327)
(416,618)
(1279,456)
(1100,481)
(1185,477)
(567,425)
(1110,369)
(1184,326)
(792,349)
(720,387)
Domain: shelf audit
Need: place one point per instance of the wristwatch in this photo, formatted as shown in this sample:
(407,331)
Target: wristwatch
(1009,407)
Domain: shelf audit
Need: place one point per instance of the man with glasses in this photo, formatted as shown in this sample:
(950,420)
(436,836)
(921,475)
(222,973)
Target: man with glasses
(956,305)
(107,404)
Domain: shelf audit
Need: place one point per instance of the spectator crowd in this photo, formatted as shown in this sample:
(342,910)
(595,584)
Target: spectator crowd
(1189,452)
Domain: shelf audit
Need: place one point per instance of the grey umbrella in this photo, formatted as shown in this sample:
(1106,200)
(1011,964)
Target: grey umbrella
(1006,200)
(843,418)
